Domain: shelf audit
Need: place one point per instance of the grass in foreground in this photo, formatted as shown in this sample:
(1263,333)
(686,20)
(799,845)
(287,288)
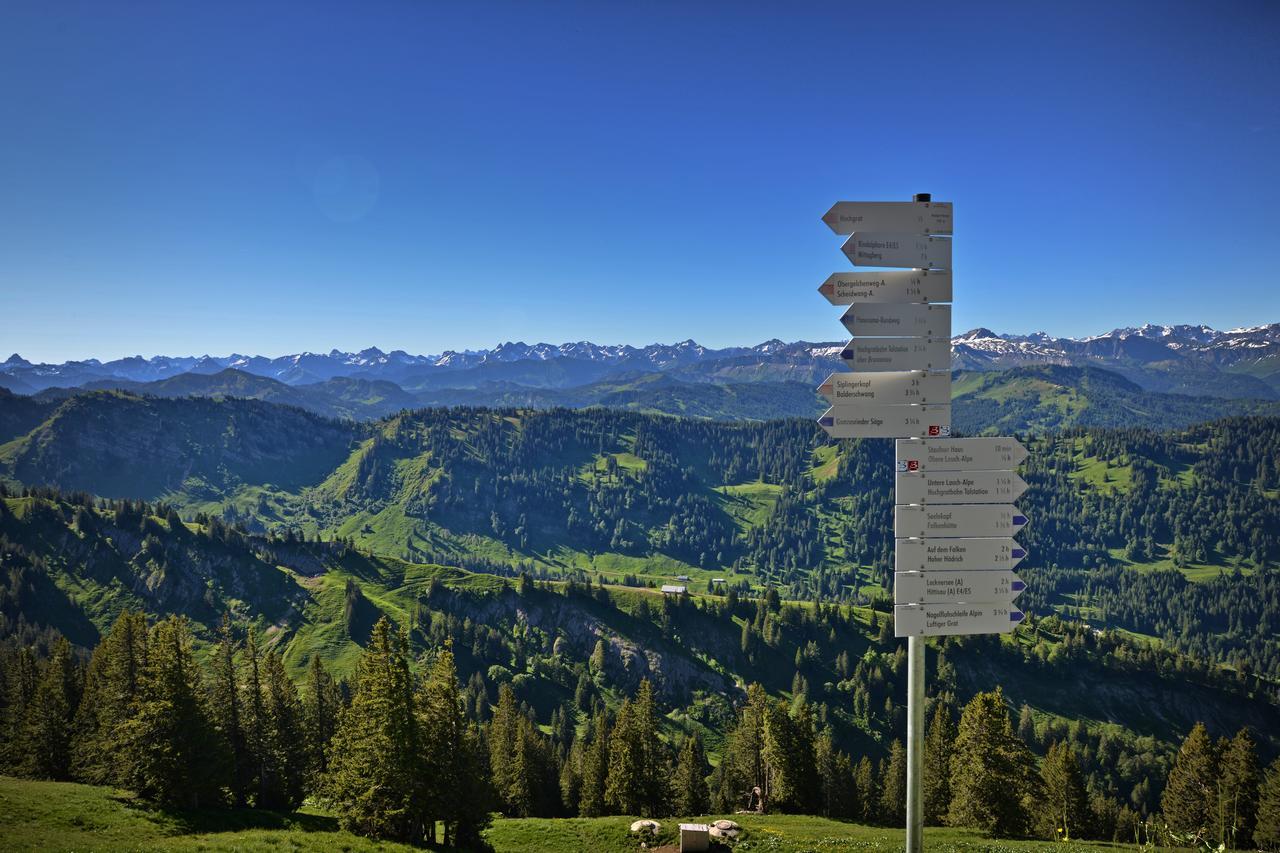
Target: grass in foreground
(67,816)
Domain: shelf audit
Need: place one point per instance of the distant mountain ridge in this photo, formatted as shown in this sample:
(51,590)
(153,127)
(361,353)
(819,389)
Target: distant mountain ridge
(1184,359)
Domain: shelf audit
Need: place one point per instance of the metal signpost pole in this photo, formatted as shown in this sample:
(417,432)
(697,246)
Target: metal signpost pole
(915,718)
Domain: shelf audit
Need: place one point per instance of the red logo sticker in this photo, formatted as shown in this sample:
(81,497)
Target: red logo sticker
(913,464)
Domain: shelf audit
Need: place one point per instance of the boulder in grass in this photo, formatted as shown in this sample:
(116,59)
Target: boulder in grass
(648,827)
(725,834)
(725,824)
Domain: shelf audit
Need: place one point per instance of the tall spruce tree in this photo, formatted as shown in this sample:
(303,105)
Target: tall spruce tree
(322,703)
(595,770)
(893,787)
(1238,790)
(936,784)
(637,779)
(172,751)
(1189,802)
(374,760)
(992,770)
(20,683)
(254,716)
(1266,832)
(1066,802)
(224,705)
(868,791)
(689,793)
(285,754)
(112,691)
(50,714)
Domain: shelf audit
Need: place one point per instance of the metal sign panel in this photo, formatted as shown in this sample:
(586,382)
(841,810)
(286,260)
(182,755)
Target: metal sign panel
(951,587)
(958,487)
(889,249)
(928,522)
(887,387)
(881,421)
(898,354)
(898,321)
(960,454)
(853,288)
(912,555)
(913,217)
(938,620)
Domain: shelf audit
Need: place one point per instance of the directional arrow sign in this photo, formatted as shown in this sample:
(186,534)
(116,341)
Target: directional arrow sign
(960,521)
(952,587)
(897,321)
(960,454)
(888,249)
(936,620)
(879,421)
(914,217)
(911,555)
(958,487)
(898,354)
(910,386)
(851,288)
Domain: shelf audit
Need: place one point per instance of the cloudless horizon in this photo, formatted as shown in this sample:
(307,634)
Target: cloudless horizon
(187,179)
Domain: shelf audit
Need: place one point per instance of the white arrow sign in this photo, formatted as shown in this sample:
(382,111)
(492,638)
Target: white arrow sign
(937,620)
(898,354)
(910,555)
(959,521)
(960,454)
(958,487)
(952,587)
(899,321)
(851,288)
(888,249)
(915,217)
(878,421)
(910,386)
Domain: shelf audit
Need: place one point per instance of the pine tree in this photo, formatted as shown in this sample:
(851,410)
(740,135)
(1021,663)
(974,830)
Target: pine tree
(637,764)
(1189,802)
(254,717)
(449,790)
(374,764)
(868,793)
(936,784)
(595,770)
(322,703)
(1238,790)
(1066,811)
(171,749)
(1266,833)
(21,683)
(835,773)
(50,713)
(893,787)
(224,707)
(992,771)
(689,793)
(112,691)
(285,751)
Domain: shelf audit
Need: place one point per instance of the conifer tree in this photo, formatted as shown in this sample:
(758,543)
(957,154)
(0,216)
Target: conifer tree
(868,793)
(254,720)
(225,709)
(1266,832)
(936,781)
(322,703)
(595,770)
(1189,802)
(112,691)
(21,683)
(893,787)
(637,766)
(992,770)
(172,752)
(835,773)
(1066,802)
(452,786)
(689,792)
(285,755)
(50,713)
(374,763)
(1238,791)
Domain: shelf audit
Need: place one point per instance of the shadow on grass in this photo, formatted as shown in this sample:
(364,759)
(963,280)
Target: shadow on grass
(213,820)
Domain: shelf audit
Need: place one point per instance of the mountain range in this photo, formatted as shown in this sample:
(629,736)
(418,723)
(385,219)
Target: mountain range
(1195,360)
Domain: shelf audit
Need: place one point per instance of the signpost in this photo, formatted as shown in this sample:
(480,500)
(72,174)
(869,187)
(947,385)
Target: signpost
(851,288)
(953,518)
(891,249)
(872,320)
(883,421)
(898,353)
(911,386)
(949,587)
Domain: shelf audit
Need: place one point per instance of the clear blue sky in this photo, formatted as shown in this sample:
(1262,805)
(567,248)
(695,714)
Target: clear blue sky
(185,178)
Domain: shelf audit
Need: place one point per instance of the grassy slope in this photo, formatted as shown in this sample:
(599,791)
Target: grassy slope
(65,816)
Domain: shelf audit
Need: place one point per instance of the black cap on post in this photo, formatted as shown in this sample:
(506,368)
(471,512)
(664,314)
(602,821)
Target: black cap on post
(922,197)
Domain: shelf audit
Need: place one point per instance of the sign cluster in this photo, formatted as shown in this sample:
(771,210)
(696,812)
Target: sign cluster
(954,517)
